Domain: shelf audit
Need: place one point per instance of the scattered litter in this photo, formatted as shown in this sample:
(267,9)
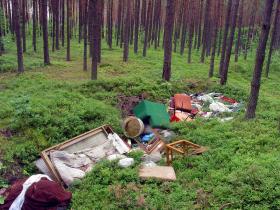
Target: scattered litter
(126,162)
(165,173)
(118,143)
(133,127)
(202,105)
(167,135)
(226,119)
(115,157)
(154,157)
(148,163)
(182,147)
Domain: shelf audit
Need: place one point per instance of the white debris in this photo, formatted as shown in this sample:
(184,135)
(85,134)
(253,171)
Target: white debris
(118,143)
(115,157)
(126,162)
(218,107)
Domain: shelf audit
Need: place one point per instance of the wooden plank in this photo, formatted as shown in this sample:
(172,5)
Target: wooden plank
(165,173)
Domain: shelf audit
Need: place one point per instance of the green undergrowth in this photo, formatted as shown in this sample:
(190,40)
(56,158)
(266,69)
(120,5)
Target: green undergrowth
(48,105)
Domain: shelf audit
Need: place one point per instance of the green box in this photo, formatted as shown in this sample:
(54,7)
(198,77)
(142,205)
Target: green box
(154,113)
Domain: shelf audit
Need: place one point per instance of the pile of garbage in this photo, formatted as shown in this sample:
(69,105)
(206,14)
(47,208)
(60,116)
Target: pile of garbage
(183,107)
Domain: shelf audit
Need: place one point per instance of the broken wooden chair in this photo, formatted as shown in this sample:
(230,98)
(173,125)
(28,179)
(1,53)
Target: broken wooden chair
(182,147)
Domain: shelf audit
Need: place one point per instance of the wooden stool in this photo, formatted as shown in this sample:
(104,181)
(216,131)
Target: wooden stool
(182,147)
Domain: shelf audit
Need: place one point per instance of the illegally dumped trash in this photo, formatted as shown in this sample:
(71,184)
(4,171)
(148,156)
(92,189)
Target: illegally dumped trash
(183,147)
(37,192)
(133,127)
(164,173)
(71,160)
(126,162)
(154,114)
(184,107)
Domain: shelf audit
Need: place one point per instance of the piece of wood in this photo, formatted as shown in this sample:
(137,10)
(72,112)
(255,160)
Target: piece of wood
(165,173)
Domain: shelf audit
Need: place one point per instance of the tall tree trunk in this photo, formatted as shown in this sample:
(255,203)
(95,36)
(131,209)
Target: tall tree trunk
(191,31)
(23,19)
(57,24)
(44,6)
(184,28)
(34,31)
(143,14)
(168,31)
(136,25)
(224,75)
(110,23)
(62,22)
(224,45)
(260,56)
(215,34)
(18,35)
(68,30)
(273,37)
(146,36)
(126,31)
(119,21)
(205,30)
(85,34)
(199,25)
(95,14)
(240,18)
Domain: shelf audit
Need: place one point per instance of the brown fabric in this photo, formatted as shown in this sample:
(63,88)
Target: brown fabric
(43,195)
(182,102)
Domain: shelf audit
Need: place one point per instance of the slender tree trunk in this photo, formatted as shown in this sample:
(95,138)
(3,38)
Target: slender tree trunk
(62,21)
(34,31)
(85,34)
(110,24)
(146,36)
(224,75)
(136,25)
(168,31)
(260,56)
(119,21)
(273,37)
(240,18)
(56,15)
(18,35)
(143,14)
(184,28)
(44,6)
(215,34)
(200,23)
(68,30)
(224,45)
(126,31)
(191,31)
(95,14)
(23,19)
(205,30)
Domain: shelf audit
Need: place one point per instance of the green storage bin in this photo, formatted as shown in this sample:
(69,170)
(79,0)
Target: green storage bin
(154,113)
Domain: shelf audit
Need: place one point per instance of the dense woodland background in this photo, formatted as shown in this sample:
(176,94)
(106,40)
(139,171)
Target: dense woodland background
(155,47)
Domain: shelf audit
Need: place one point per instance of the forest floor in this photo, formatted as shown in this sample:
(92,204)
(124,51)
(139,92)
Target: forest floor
(47,105)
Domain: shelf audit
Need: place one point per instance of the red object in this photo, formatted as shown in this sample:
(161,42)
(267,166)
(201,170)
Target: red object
(174,118)
(182,102)
(229,100)
(43,195)
(194,111)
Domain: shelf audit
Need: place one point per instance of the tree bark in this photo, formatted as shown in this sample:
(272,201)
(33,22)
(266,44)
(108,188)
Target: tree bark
(85,34)
(68,30)
(260,56)
(34,28)
(23,19)
(224,44)
(18,35)
(224,75)
(168,31)
(206,29)
(238,41)
(44,6)
(146,36)
(95,14)
(136,25)
(273,37)
(62,21)
(126,31)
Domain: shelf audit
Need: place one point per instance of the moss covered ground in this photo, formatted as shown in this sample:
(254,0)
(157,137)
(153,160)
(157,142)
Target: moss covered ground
(47,105)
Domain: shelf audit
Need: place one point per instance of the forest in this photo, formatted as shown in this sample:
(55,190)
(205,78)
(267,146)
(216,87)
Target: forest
(72,67)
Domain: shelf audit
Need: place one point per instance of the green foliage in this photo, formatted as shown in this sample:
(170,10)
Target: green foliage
(52,104)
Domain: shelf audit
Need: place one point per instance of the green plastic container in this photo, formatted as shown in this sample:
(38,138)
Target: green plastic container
(154,113)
